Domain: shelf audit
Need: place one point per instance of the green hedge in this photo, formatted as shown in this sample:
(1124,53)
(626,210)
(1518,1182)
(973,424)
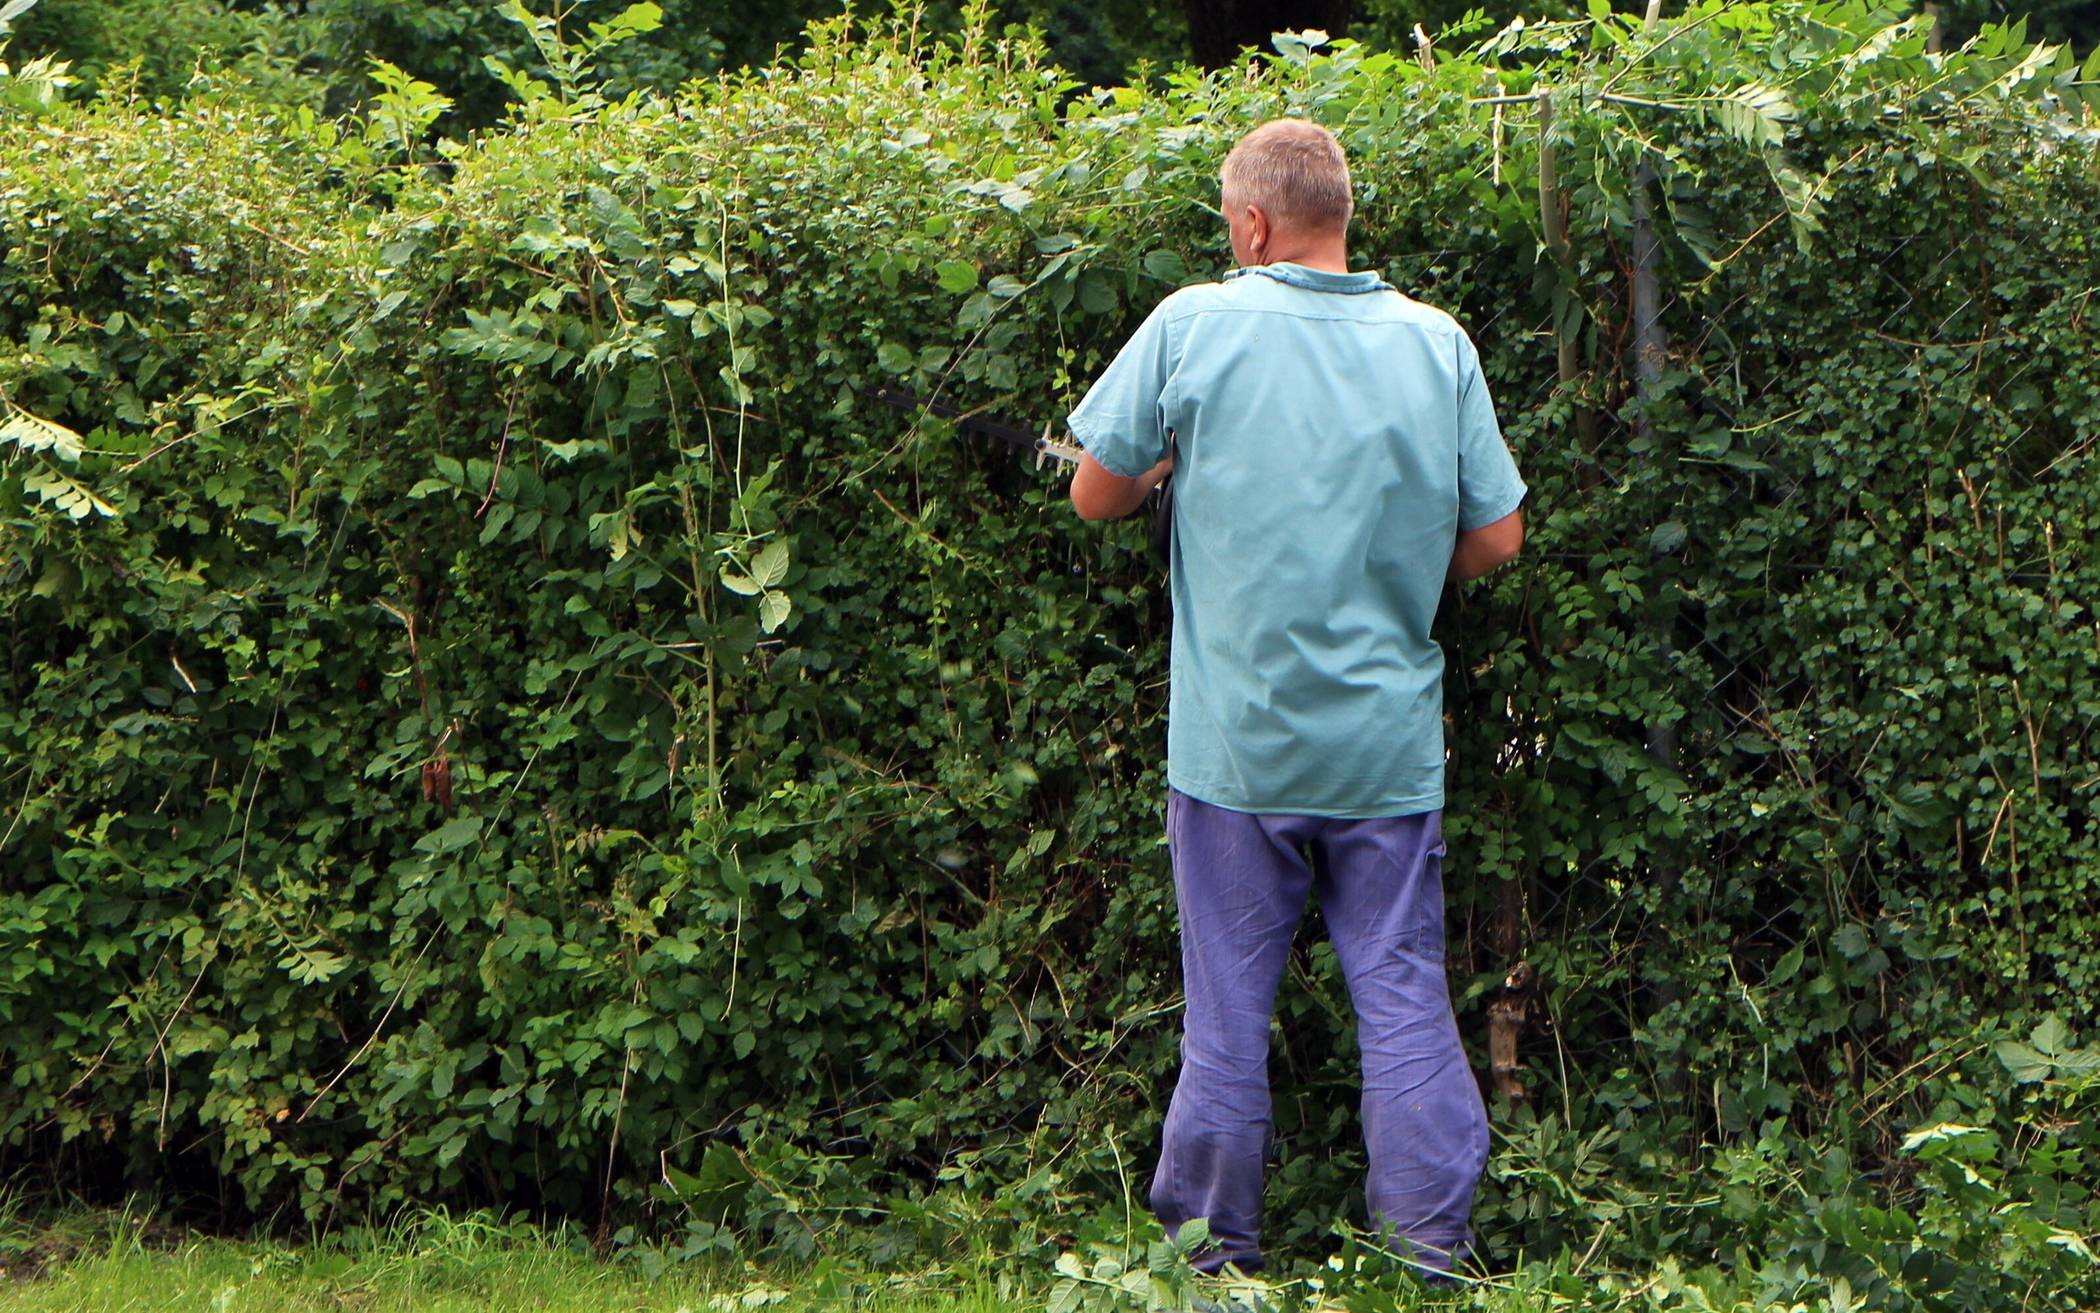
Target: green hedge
(533,720)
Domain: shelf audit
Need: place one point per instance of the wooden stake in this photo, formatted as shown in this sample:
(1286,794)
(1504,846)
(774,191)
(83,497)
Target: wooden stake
(1549,184)
(1555,227)
(1506,1018)
(1498,146)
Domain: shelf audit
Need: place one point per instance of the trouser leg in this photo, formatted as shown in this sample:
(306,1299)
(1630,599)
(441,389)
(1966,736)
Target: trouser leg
(1425,1127)
(1240,883)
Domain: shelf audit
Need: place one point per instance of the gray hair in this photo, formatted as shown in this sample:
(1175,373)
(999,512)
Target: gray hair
(1293,169)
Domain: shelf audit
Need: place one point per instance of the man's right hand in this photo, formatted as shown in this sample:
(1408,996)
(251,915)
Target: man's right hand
(1098,494)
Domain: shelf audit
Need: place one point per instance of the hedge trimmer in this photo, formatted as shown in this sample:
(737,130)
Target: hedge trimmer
(1046,449)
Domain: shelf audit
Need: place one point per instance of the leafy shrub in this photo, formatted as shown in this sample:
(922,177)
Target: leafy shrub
(498,707)
(156,48)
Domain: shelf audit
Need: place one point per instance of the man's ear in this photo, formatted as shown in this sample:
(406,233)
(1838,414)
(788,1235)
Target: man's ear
(1258,233)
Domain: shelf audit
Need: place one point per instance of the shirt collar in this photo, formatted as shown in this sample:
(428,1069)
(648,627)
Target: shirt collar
(1318,280)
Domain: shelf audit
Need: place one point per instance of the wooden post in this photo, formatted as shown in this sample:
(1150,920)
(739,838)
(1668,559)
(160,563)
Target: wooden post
(1555,226)
(1510,1009)
(1549,183)
(1506,1018)
(1650,348)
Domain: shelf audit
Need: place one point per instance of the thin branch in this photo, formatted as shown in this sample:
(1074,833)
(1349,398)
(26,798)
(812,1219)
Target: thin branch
(1673,34)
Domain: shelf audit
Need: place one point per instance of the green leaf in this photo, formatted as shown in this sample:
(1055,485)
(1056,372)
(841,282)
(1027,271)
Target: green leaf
(1666,537)
(499,518)
(1919,806)
(68,495)
(452,836)
(894,357)
(633,21)
(1755,114)
(956,276)
(1096,297)
(33,433)
(59,579)
(1784,969)
(311,966)
(2025,1065)
(737,583)
(771,565)
(1941,1132)
(616,530)
(1165,265)
(773,611)
(2051,1036)
(404,109)
(1193,1235)
(566,452)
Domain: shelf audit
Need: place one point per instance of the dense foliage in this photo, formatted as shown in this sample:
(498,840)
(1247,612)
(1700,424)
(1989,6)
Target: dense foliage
(321,52)
(495,708)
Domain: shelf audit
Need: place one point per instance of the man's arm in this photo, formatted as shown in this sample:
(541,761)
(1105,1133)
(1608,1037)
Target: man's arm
(1478,550)
(1100,495)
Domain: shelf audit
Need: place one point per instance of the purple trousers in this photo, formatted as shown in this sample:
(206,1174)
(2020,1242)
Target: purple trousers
(1241,882)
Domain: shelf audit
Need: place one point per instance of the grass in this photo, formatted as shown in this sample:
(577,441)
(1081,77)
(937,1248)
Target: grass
(108,1261)
(103,1262)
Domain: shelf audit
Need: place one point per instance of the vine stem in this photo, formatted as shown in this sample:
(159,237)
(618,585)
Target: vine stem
(612,1145)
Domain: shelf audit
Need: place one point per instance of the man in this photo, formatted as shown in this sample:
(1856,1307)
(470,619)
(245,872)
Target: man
(1337,459)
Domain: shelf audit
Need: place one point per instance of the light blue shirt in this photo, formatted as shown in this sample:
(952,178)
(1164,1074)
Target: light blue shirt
(1332,436)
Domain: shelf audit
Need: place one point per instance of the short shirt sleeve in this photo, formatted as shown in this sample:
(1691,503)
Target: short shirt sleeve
(1489,486)
(1122,422)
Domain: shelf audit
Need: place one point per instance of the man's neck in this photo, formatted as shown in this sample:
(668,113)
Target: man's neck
(1328,255)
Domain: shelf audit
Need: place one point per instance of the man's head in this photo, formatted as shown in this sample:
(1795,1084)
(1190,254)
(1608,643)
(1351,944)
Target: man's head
(1285,191)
